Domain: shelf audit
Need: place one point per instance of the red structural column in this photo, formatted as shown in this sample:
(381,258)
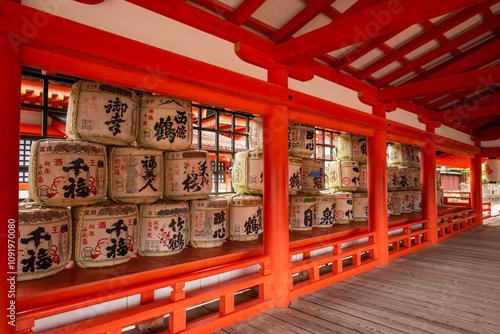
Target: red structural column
(377,188)
(476,187)
(429,191)
(276,243)
(10,96)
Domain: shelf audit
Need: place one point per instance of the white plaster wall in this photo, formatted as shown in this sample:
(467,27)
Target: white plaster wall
(405,117)
(492,143)
(448,132)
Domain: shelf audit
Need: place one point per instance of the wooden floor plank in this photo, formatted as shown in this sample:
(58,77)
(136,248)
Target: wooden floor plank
(264,323)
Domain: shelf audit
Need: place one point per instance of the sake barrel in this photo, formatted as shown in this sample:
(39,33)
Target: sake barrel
(102,113)
(209,222)
(44,241)
(343,207)
(104,234)
(302,212)
(248,173)
(165,123)
(415,178)
(351,147)
(390,209)
(67,172)
(440,197)
(188,175)
(404,173)
(492,170)
(294,175)
(438,179)
(393,177)
(407,201)
(417,201)
(325,210)
(363,177)
(399,155)
(135,174)
(163,228)
(301,138)
(344,178)
(360,206)
(397,203)
(245,217)
(415,151)
(313,176)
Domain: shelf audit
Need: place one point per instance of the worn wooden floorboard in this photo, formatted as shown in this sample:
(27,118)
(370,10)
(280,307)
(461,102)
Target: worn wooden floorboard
(452,287)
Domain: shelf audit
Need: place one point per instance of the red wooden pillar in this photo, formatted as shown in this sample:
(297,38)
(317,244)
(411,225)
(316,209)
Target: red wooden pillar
(377,188)
(10,97)
(476,187)
(429,191)
(276,195)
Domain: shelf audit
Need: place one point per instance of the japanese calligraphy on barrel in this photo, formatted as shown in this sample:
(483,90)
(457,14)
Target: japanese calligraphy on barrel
(313,176)
(408,201)
(351,147)
(404,174)
(188,175)
(400,155)
(360,207)
(44,241)
(163,228)
(325,210)
(245,217)
(209,222)
(102,113)
(417,201)
(397,203)
(135,174)
(67,172)
(343,207)
(393,177)
(302,212)
(165,123)
(343,175)
(363,177)
(104,234)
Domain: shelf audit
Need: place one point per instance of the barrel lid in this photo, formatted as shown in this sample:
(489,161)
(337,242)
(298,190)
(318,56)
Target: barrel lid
(188,154)
(134,150)
(109,209)
(69,146)
(245,200)
(165,208)
(35,214)
(312,162)
(164,102)
(87,85)
(303,199)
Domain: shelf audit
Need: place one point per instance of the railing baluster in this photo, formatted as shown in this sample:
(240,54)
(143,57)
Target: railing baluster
(177,321)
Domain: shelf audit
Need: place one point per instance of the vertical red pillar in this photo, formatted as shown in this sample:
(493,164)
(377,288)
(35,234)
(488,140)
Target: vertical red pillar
(276,242)
(429,191)
(476,187)
(377,188)
(10,90)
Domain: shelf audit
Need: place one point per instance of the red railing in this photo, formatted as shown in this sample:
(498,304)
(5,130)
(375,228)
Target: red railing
(362,257)
(458,198)
(413,236)
(454,223)
(175,306)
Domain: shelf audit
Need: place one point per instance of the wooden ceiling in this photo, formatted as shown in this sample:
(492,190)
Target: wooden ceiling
(439,59)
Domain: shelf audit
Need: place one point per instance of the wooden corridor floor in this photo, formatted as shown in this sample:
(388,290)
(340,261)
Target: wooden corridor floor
(452,287)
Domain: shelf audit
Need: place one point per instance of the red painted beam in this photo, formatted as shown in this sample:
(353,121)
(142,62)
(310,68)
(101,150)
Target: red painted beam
(490,152)
(197,18)
(491,133)
(488,96)
(464,114)
(300,20)
(421,40)
(244,11)
(439,51)
(482,78)
(381,19)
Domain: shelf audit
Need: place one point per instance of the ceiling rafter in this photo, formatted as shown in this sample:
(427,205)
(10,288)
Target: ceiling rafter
(439,51)
(484,77)
(490,133)
(244,11)
(309,12)
(464,114)
(435,71)
(483,97)
(383,18)
(420,40)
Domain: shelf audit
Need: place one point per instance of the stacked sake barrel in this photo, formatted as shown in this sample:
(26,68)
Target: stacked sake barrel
(439,191)
(348,176)
(404,178)
(126,173)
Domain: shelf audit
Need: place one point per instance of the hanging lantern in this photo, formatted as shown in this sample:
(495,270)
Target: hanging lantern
(492,170)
